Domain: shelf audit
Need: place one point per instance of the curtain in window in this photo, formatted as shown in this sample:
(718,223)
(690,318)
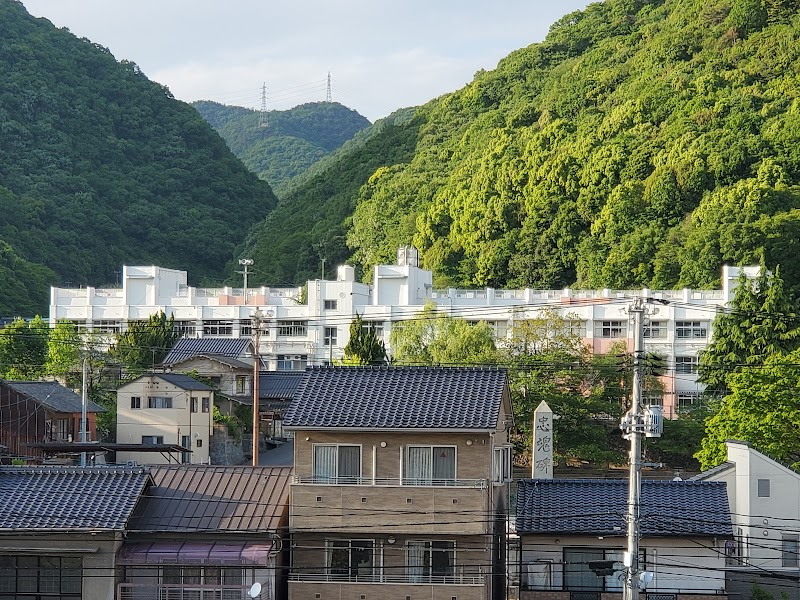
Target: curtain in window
(325,463)
(339,558)
(444,464)
(415,568)
(577,574)
(615,582)
(442,560)
(349,464)
(419,466)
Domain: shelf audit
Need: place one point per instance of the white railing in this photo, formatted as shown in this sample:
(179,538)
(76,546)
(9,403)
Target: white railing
(133,591)
(392,482)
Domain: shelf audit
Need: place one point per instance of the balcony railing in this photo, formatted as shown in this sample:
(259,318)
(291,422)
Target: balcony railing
(133,591)
(457,579)
(390,482)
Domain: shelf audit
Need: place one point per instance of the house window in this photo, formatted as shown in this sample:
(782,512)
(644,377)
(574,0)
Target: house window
(352,560)
(430,465)
(292,362)
(790,544)
(159,402)
(502,464)
(376,326)
(149,440)
(594,569)
(338,464)
(199,443)
(174,577)
(655,330)
(215,327)
(292,328)
(331,334)
(611,329)
(331,304)
(206,404)
(689,400)
(185,328)
(246,328)
(40,577)
(691,329)
(136,402)
(763,488)
(194,405)
(430,561)
(686,365)
(241,384)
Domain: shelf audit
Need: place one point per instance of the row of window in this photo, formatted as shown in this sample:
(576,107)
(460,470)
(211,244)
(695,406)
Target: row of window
(39,577)
(425,560)
(167,402)
(422,464)
(653,330)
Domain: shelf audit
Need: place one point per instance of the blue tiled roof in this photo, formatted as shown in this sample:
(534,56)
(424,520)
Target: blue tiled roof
(599,506)
(187,348)
(68,498)
(398,397)
(54,396)
(279,384)
(182,381)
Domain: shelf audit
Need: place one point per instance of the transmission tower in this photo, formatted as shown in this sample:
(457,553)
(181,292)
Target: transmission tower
(263,117)
(328,94)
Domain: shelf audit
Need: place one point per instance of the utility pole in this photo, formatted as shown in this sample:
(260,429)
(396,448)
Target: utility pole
(245,262)
(638,421)
(84,401)
(257,359)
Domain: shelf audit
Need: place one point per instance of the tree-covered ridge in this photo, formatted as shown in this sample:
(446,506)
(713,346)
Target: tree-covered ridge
(285,143)
(100,166)
(642,143)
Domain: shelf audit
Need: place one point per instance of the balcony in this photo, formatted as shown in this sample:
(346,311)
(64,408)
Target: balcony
(361,504)
(134,591)
(306,585)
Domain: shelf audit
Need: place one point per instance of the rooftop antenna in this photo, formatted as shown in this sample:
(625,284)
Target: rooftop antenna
(263,116)
(328,94)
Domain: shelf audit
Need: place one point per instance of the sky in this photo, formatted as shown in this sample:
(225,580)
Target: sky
(381,55)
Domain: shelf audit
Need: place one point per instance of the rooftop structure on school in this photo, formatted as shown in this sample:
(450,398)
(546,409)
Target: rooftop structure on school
(310,327)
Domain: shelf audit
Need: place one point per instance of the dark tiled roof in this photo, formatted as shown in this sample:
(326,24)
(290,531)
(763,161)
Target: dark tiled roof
(398,397)
(215,498)
(182,381)
(599,506)
(54,396)
(279,384)
(68,498)
(189,347)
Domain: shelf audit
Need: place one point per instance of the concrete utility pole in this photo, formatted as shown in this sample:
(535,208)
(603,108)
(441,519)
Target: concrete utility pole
(637,422)
(84,401)
(256,319)
(245,262)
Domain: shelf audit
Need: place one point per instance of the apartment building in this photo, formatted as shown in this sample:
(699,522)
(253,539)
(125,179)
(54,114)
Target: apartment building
(310,326)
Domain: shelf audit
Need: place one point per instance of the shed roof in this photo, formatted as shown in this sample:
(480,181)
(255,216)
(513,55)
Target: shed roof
(398,397)
(54,396)
(186,348)
(599,506)
(69,498)
(201,498)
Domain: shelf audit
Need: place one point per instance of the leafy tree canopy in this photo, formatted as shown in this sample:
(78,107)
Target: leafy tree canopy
(145,343)
(364,347)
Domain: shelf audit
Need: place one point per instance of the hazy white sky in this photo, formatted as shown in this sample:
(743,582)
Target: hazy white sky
(381,55)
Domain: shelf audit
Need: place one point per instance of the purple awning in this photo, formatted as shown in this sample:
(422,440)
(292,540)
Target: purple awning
(210,553)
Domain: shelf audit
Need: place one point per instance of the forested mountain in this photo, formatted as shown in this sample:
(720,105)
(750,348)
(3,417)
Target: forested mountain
(100,166)
(642,143)
(287,142)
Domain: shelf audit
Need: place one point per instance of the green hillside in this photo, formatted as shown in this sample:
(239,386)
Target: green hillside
(100,166)
(289,142)
(642,143)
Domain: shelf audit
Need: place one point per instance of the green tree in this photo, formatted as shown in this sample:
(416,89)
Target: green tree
(364,347)
(145,344)
(64,353)
(762,322)
(433,338)
(763,408)
(23,349)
